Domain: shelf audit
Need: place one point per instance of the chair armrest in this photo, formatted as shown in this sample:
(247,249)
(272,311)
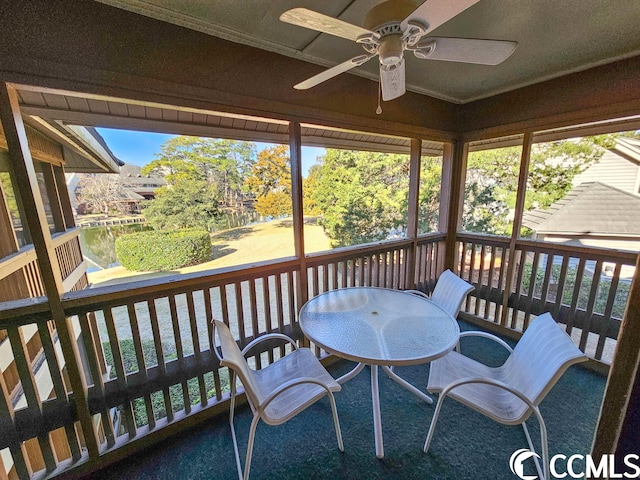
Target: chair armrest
(498,340)
(268,336)
(417,292)
(290,384)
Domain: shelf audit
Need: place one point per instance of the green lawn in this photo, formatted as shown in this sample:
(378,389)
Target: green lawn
(237,246)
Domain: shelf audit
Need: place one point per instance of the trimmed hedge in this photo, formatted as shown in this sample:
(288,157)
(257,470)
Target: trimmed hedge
(163,250)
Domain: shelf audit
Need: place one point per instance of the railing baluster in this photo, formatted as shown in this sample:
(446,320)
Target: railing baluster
(606,320)
(546,282)
(25,372)
(314,280)
(560,288)
(462,262)
(483,252)
(255,327)
(7,419)
(50,462)
(20,460)
(490,278)
(240,312)
(292,298)
(472,280)
(162,368)
(532,288)
(89,332)
(515,311)
(208,315)
(177,336)
(576,295)
(142,364)
(121,374)
(586,324)
(280,308)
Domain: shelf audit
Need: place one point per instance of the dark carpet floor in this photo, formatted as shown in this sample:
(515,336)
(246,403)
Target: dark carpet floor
(466,445)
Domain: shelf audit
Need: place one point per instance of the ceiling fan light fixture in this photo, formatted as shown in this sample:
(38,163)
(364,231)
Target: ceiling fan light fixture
(392,80)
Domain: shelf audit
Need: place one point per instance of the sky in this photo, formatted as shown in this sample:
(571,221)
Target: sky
(139,148)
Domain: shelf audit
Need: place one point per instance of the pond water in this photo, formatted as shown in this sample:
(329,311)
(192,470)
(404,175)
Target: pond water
(98,243)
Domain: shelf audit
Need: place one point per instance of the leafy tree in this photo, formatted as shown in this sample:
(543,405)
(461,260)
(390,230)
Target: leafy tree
(270,181)
(492,179)
(223,164)
(429,194)
(309,185)
(184,204)
(362,195)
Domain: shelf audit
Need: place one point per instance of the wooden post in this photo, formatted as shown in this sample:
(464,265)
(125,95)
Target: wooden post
(454,172)
(517,223)
(413,211)
(295,151)
(617,428)
(54,197)
(8,239)
(23,171)
(63,194)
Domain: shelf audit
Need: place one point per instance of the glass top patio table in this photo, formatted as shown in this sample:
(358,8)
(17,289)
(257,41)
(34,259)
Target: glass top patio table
(379,327)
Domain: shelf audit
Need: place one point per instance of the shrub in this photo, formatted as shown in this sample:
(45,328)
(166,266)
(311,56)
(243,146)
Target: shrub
(163,250)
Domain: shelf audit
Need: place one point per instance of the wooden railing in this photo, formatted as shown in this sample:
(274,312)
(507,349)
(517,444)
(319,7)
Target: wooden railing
(20,275)
(146,347)
(70,260)
(585,288)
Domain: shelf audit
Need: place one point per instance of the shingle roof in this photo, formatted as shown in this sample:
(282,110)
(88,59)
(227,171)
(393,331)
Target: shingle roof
(592,208)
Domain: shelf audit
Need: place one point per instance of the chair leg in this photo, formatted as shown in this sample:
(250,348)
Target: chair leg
(252,435)
(336,422)
(233,430)
(433,423)
(543,471)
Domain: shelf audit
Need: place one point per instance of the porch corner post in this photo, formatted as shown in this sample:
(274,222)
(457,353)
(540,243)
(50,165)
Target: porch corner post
(413,211)
(23,171)
(454,171)
(527,141)
(295,152)
(618,425)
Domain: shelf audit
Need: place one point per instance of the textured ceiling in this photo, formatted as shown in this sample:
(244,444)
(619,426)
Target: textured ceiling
(554,37)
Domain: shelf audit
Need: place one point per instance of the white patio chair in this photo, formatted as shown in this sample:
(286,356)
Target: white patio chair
(450,292)
(277,392)
(508,394)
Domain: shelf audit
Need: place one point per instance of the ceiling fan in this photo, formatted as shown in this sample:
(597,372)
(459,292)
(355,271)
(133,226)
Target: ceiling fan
(396,26)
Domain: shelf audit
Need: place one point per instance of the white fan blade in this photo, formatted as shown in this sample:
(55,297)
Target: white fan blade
(333,71)
(392,81)
(323,23)
(437,12)
(467,50)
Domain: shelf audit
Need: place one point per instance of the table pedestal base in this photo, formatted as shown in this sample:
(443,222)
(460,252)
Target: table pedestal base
(375,397)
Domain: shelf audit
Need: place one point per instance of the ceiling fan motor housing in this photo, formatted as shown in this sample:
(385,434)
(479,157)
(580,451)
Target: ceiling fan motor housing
(390,50)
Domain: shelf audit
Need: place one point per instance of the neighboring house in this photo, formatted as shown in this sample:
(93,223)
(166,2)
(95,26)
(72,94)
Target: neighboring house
(619,167)
(592,214)
(135,189)
(603,207)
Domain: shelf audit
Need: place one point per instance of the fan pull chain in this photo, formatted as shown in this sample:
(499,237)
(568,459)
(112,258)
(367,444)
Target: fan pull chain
(379,109)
